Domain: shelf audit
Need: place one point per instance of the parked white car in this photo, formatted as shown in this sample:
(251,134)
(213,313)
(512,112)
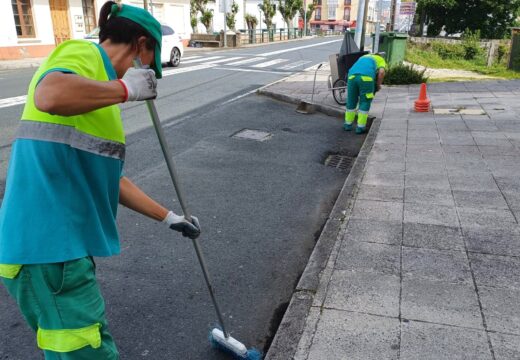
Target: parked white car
(172,47)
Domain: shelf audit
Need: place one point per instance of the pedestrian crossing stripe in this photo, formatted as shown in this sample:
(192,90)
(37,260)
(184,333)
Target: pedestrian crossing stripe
(270,63)
(246,61)
(191,57)
(201,60)
(187,69)
(226,59)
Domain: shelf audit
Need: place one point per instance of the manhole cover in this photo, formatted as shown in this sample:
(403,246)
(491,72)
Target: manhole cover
(249,134)
(341,162)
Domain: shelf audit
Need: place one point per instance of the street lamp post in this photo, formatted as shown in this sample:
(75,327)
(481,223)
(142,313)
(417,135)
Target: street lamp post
(359,22)
(378,29)
(304,18)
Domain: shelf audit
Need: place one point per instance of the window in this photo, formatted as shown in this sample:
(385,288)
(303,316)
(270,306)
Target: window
(348,2)
(333,4)
(346,14)
(317,15)
(23,19)
(89,15)
(166,30)
(318,2)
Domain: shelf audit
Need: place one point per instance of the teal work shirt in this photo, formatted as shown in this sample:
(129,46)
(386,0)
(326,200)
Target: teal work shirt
(368,65)
(62,188)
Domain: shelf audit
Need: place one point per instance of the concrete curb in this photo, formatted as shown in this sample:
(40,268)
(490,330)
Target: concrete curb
(325,109)
(287,338)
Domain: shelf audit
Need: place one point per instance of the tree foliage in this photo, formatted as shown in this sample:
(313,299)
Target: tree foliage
(196,7)
(231,16)
(251,21)
(206,19)
(288,9)
(269,10)
(310,9)
(491,17)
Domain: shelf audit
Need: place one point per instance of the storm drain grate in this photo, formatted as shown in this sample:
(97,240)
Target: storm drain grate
(341,162)
(249,134)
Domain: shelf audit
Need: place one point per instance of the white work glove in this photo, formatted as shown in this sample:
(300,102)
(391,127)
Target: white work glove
(180,224)
(140,84)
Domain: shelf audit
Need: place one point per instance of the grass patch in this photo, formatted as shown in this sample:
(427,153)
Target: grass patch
(446,56)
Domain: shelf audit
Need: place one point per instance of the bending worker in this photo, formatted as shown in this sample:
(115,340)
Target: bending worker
(365,78)
(65,180)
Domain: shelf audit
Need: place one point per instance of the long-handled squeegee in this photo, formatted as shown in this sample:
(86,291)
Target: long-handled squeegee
(219,338)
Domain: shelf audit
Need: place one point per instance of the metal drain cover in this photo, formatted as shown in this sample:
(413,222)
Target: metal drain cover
(341,162)
(249,134)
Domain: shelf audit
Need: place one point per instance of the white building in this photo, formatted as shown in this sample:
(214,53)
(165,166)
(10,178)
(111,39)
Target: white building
(32,28)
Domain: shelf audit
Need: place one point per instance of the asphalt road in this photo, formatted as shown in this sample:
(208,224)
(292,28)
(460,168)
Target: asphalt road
(261,206)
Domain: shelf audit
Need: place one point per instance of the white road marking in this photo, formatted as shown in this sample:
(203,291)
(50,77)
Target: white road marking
(270,63)
(295,64)
(298,48)
(251,70)
(12,101)
(200,60)
(224,60)
(246,61)
(187,69)
(191,57)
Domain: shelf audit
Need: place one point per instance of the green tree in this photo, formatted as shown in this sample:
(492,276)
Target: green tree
(288,9)
(206,18)
(251,21)
(310,10)
(269,11)
(231,17)
(491,17)
(196,7)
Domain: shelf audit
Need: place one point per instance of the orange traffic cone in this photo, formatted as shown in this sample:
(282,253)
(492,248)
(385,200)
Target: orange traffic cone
(422,104)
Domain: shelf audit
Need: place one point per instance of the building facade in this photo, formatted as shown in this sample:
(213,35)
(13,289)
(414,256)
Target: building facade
(340,15)
(32,28)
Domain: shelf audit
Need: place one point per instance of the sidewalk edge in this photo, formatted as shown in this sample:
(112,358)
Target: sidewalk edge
(325,109)
(292,326)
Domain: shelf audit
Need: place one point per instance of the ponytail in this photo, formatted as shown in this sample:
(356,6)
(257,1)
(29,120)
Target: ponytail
(105,12)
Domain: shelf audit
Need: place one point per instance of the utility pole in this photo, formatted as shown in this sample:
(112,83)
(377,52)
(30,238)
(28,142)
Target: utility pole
(393,9)
(145,5)
(225,22)
(375,50)
(364,28)
(359,22)
(304,18)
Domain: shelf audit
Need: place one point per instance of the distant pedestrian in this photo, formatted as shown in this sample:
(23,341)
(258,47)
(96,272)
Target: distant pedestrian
(65,181)
(365,78)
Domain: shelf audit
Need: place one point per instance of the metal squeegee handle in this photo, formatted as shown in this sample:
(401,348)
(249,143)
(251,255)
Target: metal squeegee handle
(173,174)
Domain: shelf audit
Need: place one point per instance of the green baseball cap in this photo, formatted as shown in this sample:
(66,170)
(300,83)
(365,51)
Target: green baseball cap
(149,23)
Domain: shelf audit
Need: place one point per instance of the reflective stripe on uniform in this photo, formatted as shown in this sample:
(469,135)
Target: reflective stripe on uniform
(370,95)
(366,78)
(352,77)
(9,271)
(68,135)
(67,340)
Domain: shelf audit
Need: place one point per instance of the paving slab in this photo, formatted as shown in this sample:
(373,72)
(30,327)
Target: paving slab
(430,236)
(346,335)
(427,341)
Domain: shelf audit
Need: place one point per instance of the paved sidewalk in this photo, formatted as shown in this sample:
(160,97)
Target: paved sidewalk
(420,258)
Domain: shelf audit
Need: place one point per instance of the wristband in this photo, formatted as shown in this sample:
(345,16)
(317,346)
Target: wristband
(124,88)
(171,218)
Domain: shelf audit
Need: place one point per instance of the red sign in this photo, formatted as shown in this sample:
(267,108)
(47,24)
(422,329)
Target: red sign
(300,23)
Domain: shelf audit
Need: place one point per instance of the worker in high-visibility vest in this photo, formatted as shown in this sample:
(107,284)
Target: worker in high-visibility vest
(65,181)
(364,79)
